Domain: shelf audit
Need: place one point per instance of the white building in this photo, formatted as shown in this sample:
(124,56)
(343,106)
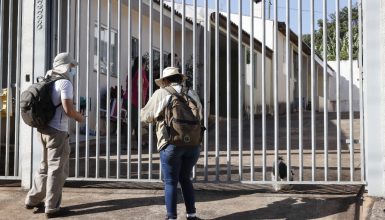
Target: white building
(124,64)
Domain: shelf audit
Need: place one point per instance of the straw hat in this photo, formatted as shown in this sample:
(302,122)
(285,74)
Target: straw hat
(169,72)
(62,63)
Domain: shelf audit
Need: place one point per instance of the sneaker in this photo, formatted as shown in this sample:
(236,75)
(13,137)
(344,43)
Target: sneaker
(61,213)
(193,218)
(39,205)
(39,208)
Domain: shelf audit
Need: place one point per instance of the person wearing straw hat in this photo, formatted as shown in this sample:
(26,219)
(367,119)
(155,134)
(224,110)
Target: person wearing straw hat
(177,161)
(50,177)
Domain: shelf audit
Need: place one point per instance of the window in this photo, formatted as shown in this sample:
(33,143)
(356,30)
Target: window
(247,56)
(103,50)
(156,60)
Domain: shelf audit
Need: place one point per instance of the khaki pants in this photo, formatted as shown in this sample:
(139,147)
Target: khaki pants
(49,180)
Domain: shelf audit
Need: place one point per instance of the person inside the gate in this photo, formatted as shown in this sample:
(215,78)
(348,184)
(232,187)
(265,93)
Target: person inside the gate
(50,177)
(135,92)
(177,112)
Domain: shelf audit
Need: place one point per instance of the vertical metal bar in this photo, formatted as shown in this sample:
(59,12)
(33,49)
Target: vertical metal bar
(194,48)
(1,53)
(59,26)
(228,75)
(18,75)
(151,77)
(161,61)
(183,35)
(263,92)
(183,40)
(194,60)
(129,91)
(108,99)
(140,92)
(288,101)
(119,95)
(313,98)
(78,22)
(300,93)
(68,26)
(338,91)
(54,28)
(87,153)
(9,88)
(276,110)
(362,128)
(351,115)
(172,33)
(161,23)
(98,95)
(240,93)
(217,90)
(326,79)
(206,113)
(252,76)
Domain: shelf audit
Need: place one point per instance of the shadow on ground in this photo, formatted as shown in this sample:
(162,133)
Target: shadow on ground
(297,208)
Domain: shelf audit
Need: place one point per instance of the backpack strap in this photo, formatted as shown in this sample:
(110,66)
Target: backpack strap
(184,96)
(171,90)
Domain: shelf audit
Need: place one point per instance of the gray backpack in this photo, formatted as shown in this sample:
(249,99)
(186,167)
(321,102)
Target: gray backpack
(182,119)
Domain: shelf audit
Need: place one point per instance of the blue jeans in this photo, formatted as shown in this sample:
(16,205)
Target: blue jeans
(177,165)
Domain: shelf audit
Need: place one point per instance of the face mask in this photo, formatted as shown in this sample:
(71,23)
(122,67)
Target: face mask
(72,72)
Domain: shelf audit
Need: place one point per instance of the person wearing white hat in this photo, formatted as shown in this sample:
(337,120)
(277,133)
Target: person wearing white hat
(50,177)
(177,161)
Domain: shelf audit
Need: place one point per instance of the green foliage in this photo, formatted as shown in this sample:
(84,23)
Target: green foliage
(331,35)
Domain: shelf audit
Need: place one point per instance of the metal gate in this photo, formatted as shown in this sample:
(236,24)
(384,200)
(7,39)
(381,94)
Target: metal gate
(10,36)
(268,88)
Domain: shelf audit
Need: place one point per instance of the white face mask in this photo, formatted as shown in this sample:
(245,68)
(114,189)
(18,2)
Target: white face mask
(72,72)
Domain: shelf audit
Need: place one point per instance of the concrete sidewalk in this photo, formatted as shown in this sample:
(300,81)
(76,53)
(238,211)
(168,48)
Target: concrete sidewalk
(219,202)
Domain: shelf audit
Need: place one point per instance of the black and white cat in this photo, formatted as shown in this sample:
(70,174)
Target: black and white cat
(282,175)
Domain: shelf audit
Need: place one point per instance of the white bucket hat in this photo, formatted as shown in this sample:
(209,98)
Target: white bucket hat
(169,72)
(62,62)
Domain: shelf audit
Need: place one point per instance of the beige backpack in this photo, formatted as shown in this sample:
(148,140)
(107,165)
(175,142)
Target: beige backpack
(182,119)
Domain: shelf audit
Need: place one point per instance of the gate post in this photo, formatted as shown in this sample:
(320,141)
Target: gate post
(34,56)
(374,91)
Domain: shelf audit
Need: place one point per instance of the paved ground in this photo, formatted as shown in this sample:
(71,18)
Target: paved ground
(375,208)
(217,202)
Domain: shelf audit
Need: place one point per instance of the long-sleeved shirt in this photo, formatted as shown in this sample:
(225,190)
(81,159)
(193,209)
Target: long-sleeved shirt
(155,107)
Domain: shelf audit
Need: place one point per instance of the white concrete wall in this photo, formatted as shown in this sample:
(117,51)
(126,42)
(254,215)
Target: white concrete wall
(25,138)
(374,184)
(374,86)
(306,71)
(344,85)
(258,30)
(258,84)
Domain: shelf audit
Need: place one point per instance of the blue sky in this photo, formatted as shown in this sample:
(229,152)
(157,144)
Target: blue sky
(318,10)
